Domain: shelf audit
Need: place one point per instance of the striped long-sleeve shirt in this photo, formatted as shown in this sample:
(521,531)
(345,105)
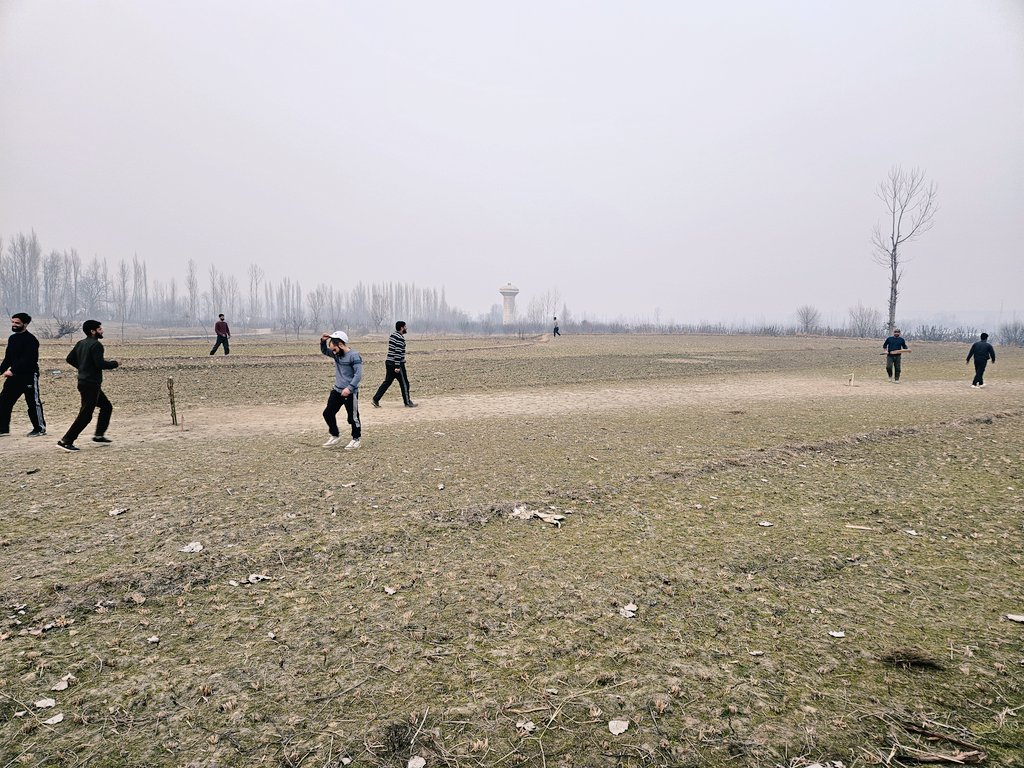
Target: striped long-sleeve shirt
(396,348)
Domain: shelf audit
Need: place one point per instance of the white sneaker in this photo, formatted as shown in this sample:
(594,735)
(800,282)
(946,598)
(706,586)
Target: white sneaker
(352,445)
(332,441)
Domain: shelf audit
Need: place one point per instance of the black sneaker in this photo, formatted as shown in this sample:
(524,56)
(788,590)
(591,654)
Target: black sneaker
(4,434)
(68,446)
(410,404)
(102,439)
(375,403)
(36,433)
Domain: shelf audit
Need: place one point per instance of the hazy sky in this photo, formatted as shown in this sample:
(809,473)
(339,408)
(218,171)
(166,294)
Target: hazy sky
(706,160)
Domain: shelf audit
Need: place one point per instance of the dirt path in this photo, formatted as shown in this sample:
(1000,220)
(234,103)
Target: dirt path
(207,423)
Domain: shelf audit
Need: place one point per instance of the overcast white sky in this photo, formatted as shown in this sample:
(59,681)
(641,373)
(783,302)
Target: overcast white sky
(712,161)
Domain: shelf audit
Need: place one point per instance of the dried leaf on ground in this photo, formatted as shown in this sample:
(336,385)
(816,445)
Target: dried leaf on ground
(45,704)
(64,682)
(835,633)
(416,762)
(1016,617)
(526,725)
(117,511)
(192,546)
(55,719)
(618,726)
(766,524)
(628,611)
(256,578)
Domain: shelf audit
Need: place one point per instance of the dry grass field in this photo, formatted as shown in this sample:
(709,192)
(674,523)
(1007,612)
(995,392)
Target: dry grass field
(366,608)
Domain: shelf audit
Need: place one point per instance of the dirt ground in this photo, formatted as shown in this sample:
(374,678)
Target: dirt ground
(768,555)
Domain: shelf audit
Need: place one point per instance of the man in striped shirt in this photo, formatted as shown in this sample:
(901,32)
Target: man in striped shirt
(395,366)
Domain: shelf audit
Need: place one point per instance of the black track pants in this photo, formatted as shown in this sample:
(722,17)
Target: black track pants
(393,375)
(334,402)
(15,387)
(92,398)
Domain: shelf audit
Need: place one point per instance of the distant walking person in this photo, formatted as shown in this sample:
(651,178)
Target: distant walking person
(982,352)
(894,346)
(87,357)
(556,333)
(20,372)
(348,372)
(394,365)
(223,334)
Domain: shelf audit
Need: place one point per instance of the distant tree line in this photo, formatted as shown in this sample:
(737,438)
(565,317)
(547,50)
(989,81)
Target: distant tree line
(63,287)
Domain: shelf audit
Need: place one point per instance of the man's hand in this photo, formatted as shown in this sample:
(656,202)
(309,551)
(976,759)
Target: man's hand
(398,369)
(324,336)
(8,373)
(346,392)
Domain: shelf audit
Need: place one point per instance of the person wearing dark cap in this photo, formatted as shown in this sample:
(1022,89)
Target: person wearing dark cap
(20,372)
(348,372)
(223,334)
(982,352)
(895,346)
(87,357)
(394,365)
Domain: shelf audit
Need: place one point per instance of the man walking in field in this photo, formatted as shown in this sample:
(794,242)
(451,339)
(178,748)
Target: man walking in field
(87,357)
(895,346)
(982,352)
(556,333)
(348,372)
(394,365)
(223,334)
(20,372)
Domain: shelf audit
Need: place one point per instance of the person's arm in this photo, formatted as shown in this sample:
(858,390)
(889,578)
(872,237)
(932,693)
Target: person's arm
(357,373)
(227,330)
(971,352)
(323,346)
(72,358)
(97,357)
(992,353)
(5,364)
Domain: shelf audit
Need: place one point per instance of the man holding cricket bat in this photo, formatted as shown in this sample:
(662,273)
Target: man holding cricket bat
(894,346)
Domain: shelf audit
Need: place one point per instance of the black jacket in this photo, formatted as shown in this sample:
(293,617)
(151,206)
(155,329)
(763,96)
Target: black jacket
(87,357)
(982,352)
(22,354)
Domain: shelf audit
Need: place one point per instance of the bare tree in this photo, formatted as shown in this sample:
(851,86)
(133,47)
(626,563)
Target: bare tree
(192,286)
(808,318)
(910,204)
(121,295)
(864,321)
(255,278)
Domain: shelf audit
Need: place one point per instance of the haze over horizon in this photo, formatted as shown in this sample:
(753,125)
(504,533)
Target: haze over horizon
(705,163)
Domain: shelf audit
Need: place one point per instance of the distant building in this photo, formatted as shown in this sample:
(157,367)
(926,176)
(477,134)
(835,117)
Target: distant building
(508,310)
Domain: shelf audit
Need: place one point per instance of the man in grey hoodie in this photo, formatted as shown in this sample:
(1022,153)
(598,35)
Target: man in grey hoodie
(348,372)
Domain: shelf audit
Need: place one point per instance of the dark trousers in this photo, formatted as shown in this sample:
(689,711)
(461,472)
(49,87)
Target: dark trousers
(334,402)
(979,372)
(221,340)
(15,387)
(393,375)
(92,398)
(556,333)
(892,366)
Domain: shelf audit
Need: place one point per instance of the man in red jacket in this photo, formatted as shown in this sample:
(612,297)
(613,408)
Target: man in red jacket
(223,334)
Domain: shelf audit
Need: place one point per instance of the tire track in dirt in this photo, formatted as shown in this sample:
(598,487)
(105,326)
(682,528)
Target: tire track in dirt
(301,418)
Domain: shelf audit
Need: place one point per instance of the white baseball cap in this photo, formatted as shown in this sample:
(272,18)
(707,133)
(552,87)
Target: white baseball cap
(340,336)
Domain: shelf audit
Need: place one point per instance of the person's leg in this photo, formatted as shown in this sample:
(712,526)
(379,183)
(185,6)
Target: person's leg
(979,373)
(334,401)
(403,382)
(89,393)
(897,364)
(888,365)
(106,409)
(352,410)
(227,346)
(9,395)
(35,405)
(389,376)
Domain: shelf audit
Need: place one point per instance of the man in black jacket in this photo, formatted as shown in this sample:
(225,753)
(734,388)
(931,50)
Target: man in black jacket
(87,357)
(20,372)
(394,364)
(982,352)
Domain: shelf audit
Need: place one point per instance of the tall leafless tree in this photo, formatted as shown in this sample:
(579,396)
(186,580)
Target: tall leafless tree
(808,318)
(910,205)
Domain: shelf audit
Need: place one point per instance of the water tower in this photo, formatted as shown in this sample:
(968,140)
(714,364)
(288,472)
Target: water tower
(508,309)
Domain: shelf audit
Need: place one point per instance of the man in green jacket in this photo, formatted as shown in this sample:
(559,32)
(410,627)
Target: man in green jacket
(87,357)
